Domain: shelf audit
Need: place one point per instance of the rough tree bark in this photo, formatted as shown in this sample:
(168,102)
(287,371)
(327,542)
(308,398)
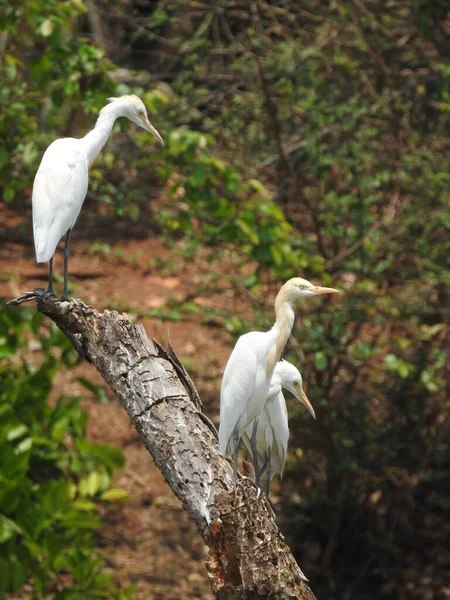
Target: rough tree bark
(248,557)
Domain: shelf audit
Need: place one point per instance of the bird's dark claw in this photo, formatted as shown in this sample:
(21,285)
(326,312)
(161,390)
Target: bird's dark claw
(41,293)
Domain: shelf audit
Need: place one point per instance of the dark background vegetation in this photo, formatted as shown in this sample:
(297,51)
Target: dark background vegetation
(306,138)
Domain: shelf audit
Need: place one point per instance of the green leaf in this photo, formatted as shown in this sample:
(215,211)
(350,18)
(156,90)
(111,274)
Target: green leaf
(79,519)
(97,390)
(16,432)
(46,28)
(4,157)
(250,281)
(18,568)
(5,575)
(320,361)
(257,185)
(83,504)
(90,485)
(60,428)
(277,255)
(199,175)
(110,456)
(24,446)
(9,193)
(391,361)
(248,231)
(8,528)
(115,494)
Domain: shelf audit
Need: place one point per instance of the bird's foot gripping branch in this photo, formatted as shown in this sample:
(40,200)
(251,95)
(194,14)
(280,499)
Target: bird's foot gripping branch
(248,557)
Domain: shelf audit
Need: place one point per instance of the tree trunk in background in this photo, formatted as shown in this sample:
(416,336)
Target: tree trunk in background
(248,557)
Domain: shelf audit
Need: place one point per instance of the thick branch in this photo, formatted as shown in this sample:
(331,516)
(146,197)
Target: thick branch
(248,557)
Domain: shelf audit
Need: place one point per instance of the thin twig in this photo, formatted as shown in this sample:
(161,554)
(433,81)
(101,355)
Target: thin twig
(388,215)
(289,149)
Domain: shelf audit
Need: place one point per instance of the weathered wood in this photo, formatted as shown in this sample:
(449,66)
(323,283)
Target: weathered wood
(248,557)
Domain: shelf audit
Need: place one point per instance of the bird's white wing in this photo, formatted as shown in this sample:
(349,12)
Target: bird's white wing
(238,385)
(59,189)
(278,418)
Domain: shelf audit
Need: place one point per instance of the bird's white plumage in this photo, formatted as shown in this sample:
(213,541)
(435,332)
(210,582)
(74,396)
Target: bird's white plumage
(61,183)
(278,419)
(245,385)
(60,187)
(273,429)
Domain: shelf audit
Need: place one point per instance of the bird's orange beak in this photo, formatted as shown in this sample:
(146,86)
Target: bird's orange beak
(300,395)
(149,127)
(325,290)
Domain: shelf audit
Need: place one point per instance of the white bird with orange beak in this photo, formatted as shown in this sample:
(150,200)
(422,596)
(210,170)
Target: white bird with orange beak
(248,373)
(62,180)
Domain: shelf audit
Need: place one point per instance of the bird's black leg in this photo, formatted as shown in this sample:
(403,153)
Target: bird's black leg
(263,468)
(255,453)
(41,292)
(269,472)
(50,289)
(66,263)
(235,452)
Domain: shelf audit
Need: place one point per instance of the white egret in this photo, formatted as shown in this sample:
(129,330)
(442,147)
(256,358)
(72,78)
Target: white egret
(61,182)
(273,420)
(247,376)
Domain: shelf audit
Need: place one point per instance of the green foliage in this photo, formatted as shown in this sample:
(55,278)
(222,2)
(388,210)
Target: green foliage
(64,71)
(51,477)
(212,203)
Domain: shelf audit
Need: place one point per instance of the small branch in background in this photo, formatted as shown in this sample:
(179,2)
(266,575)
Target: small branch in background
(271,111)
(3,44)
(96,25)
(289,149)
(284,158)
(371,17)
(388,215)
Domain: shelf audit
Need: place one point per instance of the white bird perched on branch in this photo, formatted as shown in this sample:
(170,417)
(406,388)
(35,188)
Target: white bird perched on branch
(272,422)
(61,183)
(247,376)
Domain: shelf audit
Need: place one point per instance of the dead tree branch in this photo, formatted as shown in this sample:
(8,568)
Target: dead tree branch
(248,557)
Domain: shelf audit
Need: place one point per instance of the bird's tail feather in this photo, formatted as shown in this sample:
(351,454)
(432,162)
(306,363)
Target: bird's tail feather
(45,243)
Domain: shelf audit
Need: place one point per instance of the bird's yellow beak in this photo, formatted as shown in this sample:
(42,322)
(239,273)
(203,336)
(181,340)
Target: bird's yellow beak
(325,290)
(149,127)
(300,395)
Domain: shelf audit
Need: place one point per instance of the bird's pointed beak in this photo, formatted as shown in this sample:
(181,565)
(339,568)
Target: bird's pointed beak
(300,395)
(325,290)
(149,127)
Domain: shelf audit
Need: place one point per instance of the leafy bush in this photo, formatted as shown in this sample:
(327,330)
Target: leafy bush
(51,477)
(43,67)
(212,203)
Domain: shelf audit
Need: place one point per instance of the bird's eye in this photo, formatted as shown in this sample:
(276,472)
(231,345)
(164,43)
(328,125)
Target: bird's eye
(141,113)
(302,287)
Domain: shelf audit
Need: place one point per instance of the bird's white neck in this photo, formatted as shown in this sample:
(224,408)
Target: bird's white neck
(281,330)
(97,138)
(275,386)
(284,322)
